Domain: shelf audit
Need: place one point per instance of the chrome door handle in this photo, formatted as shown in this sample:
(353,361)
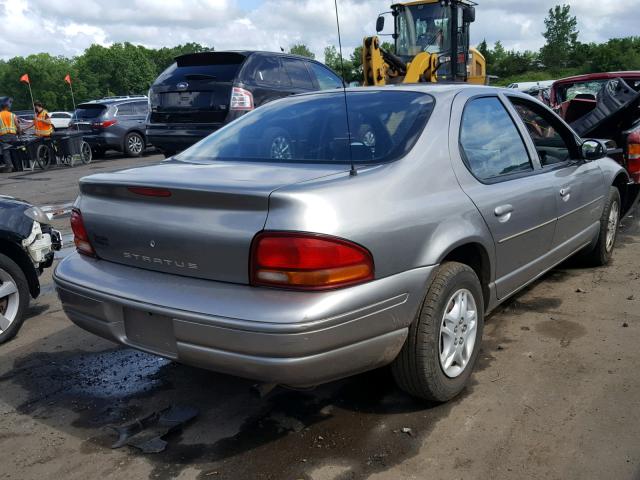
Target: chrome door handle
(503,210)
(565,191)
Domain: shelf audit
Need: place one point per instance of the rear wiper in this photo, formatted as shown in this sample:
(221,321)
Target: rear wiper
(200,76)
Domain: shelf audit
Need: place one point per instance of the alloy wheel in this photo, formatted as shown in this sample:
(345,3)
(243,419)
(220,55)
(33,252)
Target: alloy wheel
(9,300)
(135,144)
(458,332)
(612,225)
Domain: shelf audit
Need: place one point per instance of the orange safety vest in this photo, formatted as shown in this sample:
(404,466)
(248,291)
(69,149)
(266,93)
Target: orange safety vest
(7,123)
(43,129)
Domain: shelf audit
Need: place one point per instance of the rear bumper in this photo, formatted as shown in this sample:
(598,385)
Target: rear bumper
(175,138)
(103,140)
(292,338)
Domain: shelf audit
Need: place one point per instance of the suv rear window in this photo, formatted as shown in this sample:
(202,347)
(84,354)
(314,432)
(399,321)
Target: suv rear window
(89,112)
(219,67)
(384,126)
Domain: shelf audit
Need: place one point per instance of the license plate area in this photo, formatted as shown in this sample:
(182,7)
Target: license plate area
(150,331)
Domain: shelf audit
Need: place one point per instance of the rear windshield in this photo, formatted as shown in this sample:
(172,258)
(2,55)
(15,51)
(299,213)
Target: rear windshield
(88,112)
(220,67)
(384,126)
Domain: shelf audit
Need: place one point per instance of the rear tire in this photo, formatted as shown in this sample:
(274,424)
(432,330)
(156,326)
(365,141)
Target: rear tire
(609,222)
(134,145)
(14,298)
(86,154)
(430,350)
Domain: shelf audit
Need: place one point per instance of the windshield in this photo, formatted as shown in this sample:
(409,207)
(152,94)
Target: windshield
(422,28)
(384,126)
(589,89)
(88,112)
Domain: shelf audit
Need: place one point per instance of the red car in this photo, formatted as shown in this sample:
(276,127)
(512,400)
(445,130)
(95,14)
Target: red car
(605,106)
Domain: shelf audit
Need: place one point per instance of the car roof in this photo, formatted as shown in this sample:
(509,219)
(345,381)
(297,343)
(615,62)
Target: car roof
(245,53)
(115,100)
(599,76)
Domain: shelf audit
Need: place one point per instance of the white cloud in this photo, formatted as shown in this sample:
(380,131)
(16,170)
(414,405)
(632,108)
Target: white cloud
(68,27)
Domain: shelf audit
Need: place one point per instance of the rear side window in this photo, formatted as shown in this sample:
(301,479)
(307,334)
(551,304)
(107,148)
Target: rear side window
(327,80)
(125,109)
(384,126)
(490,141)
(141,108)
(268,71)
(298,73)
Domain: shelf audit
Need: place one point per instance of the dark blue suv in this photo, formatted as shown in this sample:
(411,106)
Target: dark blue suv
(114,123)
(201,92)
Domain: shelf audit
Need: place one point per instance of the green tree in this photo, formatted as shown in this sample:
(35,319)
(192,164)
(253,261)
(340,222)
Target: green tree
(338,64)
(561,36)
(302,50)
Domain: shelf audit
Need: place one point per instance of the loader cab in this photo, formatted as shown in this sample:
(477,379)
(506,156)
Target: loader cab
(436,27)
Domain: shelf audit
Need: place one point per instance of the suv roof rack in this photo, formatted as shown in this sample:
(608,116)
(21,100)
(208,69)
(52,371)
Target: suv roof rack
(123,97)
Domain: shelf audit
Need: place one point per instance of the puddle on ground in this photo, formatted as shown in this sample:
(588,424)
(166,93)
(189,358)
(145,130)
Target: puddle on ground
(356,423)
(563,330)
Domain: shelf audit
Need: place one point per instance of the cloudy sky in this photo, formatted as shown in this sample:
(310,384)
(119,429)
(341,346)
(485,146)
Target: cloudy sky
(66,27)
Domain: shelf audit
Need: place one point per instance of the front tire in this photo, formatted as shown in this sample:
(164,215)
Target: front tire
(609,222)
(14,298)
(442,347)
(134,145)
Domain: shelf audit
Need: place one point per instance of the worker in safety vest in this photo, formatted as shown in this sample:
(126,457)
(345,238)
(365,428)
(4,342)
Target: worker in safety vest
(42,121)
(9,128)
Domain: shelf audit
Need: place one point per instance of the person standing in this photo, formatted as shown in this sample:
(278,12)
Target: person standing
(42,121)
(9,128)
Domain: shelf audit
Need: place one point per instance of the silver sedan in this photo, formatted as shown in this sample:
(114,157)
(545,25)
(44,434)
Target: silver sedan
(299,244)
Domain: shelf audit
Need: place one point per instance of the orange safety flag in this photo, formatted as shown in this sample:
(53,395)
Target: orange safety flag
(25,78)
(67,79)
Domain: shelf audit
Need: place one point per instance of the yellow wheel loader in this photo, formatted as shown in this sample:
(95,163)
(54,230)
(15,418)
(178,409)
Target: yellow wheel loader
(431,39)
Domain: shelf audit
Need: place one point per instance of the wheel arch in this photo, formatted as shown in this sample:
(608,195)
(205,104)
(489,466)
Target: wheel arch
(15,253)
(628,192)
(475,255)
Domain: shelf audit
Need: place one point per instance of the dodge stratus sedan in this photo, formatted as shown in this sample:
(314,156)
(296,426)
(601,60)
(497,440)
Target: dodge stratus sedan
(296,247)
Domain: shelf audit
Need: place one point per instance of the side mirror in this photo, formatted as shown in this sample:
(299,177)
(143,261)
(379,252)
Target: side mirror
(469,15)
(593,150)
(380,24)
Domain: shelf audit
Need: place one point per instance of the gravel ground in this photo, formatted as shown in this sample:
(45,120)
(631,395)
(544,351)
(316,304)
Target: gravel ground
(556,394)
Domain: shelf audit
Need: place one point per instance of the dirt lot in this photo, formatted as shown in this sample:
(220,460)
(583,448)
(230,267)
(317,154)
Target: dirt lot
(556,394)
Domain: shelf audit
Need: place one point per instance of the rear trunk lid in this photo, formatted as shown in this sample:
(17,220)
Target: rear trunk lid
(86,115)
(196,89)
(203,229)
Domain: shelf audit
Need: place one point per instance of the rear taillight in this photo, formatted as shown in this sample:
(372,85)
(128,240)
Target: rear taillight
(105,124)
(241,99)
(633,160)
(80,235)
(306,261)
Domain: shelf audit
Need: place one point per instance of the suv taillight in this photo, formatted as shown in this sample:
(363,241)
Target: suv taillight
(241,99)
(80,235)
(633,155)
(105,124)
(307,261)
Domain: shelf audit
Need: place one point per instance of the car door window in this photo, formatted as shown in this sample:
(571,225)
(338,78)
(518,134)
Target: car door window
(490,142)
(125,109)
(141,108)
(327,80)
(552,148)
(269,72)
(298,73)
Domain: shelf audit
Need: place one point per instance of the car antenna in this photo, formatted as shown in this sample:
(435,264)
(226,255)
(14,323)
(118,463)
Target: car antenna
(353,172)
